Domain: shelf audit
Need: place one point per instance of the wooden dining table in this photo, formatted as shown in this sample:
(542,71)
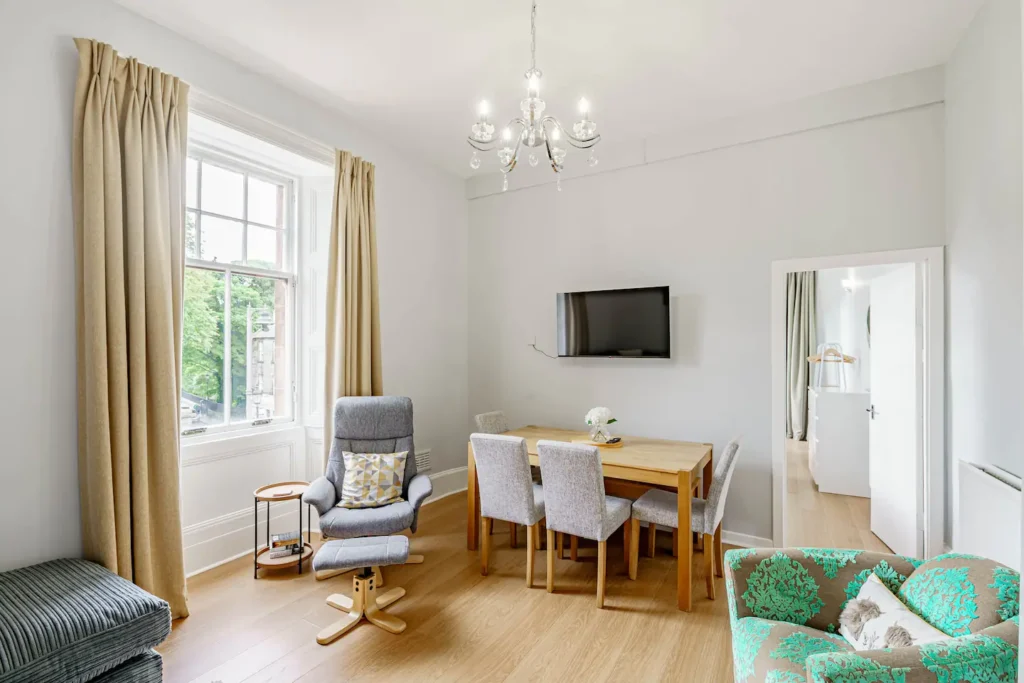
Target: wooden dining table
(638,465)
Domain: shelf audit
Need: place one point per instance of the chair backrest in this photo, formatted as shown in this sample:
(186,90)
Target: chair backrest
(503,473)
(371,424)
(493,422)
(574,500)
(720,486)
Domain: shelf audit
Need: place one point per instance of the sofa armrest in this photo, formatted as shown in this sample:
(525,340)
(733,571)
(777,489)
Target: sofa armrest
(321,494)
(805,586)
(989,655)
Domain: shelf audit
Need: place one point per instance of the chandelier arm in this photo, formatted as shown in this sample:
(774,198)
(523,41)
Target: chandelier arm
(507,168)
(555,166)
(578,143)
(480,145)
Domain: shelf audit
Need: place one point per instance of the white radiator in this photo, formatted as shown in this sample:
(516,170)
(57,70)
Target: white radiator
(988,515)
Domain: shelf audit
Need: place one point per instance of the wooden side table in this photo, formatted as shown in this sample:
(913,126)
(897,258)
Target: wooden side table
(288,490)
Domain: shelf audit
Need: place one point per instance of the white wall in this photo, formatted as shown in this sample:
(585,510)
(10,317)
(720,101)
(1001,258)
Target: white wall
(422,244)
(709,225)
(984,232)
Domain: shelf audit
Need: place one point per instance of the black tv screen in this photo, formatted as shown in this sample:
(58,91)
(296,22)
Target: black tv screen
(625,323)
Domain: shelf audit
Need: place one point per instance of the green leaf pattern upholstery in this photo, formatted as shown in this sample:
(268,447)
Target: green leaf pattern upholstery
(781,589)
(1007,585)
(784,603)
(961,594)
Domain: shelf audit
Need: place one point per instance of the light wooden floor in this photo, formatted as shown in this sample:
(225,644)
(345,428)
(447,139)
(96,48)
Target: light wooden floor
(824,520)
(462,626)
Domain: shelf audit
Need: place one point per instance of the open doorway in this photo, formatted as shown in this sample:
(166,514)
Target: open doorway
(858,402)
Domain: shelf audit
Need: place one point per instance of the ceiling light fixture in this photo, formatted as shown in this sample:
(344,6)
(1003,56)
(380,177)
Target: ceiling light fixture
(532,129)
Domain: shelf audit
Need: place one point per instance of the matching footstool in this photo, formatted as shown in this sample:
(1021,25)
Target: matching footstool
(367,554)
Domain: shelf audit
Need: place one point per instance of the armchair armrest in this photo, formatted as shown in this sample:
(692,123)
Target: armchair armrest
(420,488)
(805,586)
(989,655)
(321,494)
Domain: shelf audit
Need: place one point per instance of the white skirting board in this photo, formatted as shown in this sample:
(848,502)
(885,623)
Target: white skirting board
(988,516)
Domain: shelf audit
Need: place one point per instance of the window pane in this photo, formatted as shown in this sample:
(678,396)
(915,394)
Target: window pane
(191,183)
(265,202)
(191,236)
(222,240)
(266,248)
(202,350)
(259,367)
(222,191)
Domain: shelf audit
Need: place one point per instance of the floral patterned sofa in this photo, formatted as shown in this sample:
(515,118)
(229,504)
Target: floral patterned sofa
(784,608)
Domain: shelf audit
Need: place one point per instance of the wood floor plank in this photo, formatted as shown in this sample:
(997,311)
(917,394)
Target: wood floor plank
(461,626)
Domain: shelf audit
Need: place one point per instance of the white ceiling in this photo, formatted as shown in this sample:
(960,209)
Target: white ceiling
(414,69)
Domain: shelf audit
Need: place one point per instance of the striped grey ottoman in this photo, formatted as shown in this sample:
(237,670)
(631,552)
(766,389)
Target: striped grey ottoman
(71,621)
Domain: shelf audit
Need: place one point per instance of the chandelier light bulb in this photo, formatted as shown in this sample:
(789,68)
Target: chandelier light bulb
(484,109)
(584,106)
(534,84)
(555,135)
(506,134)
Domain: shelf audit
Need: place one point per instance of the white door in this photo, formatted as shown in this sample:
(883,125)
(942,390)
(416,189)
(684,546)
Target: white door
(895,414)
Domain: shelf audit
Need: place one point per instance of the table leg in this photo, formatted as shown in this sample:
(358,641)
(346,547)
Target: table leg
(302,541)
(255,535)
(683,587)
(472,503)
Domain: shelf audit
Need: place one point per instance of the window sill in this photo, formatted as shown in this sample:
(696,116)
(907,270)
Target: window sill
(237,432)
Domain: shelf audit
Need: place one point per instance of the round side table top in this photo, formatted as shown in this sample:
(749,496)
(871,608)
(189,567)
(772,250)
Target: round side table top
(286,490)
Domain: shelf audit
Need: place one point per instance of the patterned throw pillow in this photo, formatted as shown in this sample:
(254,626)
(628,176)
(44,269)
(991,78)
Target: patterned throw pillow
(962,594)
(876,619)
(372,479)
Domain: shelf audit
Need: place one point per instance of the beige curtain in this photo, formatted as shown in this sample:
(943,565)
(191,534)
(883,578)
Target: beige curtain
(128,177)
(352,356)
(801,342)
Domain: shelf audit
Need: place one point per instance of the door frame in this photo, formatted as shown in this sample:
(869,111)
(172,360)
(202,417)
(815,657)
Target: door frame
(933,433)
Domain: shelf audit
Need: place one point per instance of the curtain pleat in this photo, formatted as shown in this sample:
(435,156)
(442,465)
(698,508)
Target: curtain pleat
(129,149)
(801,342)
(352,363)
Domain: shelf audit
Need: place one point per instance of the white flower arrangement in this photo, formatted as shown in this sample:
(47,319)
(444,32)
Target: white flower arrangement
(600,416)
(598,419)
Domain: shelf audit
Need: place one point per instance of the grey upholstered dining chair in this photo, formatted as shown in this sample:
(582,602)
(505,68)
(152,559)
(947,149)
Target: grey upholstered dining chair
(493,422)
(575,503)
(660,507)
(369,424)
(507,492)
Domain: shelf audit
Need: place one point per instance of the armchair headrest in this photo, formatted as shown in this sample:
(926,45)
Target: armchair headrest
(372,417)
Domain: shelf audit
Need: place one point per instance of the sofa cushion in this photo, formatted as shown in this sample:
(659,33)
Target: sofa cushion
(70,620)
(765,650)
(962,594)
(145,668)
(877,619)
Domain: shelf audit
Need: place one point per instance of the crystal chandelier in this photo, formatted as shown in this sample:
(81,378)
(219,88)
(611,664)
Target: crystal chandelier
(532,129)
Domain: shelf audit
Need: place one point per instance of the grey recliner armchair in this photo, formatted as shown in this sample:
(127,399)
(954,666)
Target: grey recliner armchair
(371,424)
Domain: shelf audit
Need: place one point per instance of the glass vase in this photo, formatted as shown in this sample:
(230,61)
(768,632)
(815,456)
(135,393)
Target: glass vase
(600,433)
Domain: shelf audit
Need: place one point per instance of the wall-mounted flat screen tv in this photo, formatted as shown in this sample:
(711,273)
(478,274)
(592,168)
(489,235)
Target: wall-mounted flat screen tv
(618,323)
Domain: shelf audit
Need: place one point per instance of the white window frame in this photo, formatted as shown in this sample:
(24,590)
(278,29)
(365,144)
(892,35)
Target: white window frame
(239,164)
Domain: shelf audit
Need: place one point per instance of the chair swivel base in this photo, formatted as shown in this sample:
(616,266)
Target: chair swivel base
(364,603)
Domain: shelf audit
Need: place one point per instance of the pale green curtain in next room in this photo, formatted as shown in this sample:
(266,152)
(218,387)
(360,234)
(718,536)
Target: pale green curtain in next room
(801,342)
